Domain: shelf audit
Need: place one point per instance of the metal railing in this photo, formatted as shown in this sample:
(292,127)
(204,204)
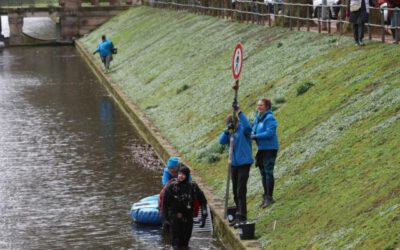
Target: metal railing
(89,3)
(27,3)
(322,18)
(44,3)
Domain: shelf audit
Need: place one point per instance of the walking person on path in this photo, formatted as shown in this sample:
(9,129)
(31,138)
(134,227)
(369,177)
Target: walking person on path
(264,133)
(105,48)
(358,11)
(242,159)
(394,16)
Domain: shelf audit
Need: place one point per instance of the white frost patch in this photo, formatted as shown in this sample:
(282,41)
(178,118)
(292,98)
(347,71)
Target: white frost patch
(390,209)
(361,107)
(332,240)
(385,124)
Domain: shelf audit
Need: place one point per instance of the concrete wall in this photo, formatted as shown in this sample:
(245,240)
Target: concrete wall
(75,20)
(82,20)
(90,20)
(15,22)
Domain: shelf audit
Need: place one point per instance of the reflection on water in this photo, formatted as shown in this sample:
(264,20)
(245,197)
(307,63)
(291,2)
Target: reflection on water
(67,172)
(107,124)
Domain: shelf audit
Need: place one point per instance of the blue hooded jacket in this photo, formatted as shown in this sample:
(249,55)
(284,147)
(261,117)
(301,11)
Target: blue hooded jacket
(105,48)
(264,129)
(242,148)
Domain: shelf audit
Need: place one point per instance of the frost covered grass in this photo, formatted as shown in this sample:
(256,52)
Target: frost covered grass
(338,167)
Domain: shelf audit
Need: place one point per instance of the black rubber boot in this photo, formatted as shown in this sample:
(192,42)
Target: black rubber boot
(240,221)
(270,190)
(268,202)
(264,198)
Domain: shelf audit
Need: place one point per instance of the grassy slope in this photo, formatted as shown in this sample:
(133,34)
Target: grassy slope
(338,168)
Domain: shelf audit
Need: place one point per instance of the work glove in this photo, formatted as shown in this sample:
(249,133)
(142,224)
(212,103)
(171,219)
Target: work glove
(230,127)
(204,215)
(166,224)
(235,106)
(235,87)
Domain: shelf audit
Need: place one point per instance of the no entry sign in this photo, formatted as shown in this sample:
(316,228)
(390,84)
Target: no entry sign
(237,61)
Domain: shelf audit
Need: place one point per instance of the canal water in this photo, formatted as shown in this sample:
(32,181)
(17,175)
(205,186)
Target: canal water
(70,161)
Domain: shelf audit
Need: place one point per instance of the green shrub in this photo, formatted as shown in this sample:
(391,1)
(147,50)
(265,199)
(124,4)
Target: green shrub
(304,88)
(213,158)
(151,107)
(280,100)
(211,153)
(183,88)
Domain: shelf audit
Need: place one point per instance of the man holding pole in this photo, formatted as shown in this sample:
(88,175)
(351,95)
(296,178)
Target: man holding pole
(238,136)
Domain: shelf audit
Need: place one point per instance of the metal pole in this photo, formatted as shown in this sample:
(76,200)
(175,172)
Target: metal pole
(308,18)
(298,17)
(269,14)
(382,26)
(290,15)
(283,14)
(323,13)
(329,23)
(319,23)
(396,23)
(341,20)
(369,29)
(230,155)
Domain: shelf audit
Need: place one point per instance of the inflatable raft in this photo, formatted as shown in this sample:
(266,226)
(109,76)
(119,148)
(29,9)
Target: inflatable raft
(146,211)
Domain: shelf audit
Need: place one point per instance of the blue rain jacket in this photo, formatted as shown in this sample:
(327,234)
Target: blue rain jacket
(264,129)
(242,148)
(105,48)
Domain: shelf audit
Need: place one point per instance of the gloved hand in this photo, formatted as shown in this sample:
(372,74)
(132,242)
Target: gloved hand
(235,86)
(253,136)
(235,106)
(347,13)
(94,52)
(230,126)
(204,215)
(166,224)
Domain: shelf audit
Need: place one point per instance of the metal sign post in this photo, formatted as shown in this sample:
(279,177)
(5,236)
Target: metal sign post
(237,63)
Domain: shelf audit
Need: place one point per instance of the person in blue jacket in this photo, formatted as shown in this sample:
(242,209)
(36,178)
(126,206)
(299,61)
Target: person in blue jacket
(241,161)
(264,133)
(105,48)
(172,169)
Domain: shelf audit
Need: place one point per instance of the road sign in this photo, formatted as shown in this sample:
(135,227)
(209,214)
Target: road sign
(237,61)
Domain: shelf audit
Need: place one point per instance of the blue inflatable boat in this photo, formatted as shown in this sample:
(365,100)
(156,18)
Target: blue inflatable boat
(146,211)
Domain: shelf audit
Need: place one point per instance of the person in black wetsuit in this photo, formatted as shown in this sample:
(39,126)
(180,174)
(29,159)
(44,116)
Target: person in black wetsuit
(177,207)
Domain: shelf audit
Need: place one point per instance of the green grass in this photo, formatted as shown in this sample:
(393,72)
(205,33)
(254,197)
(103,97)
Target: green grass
(338,167)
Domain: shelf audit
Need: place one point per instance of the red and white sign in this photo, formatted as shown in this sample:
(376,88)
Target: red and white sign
(237,61)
